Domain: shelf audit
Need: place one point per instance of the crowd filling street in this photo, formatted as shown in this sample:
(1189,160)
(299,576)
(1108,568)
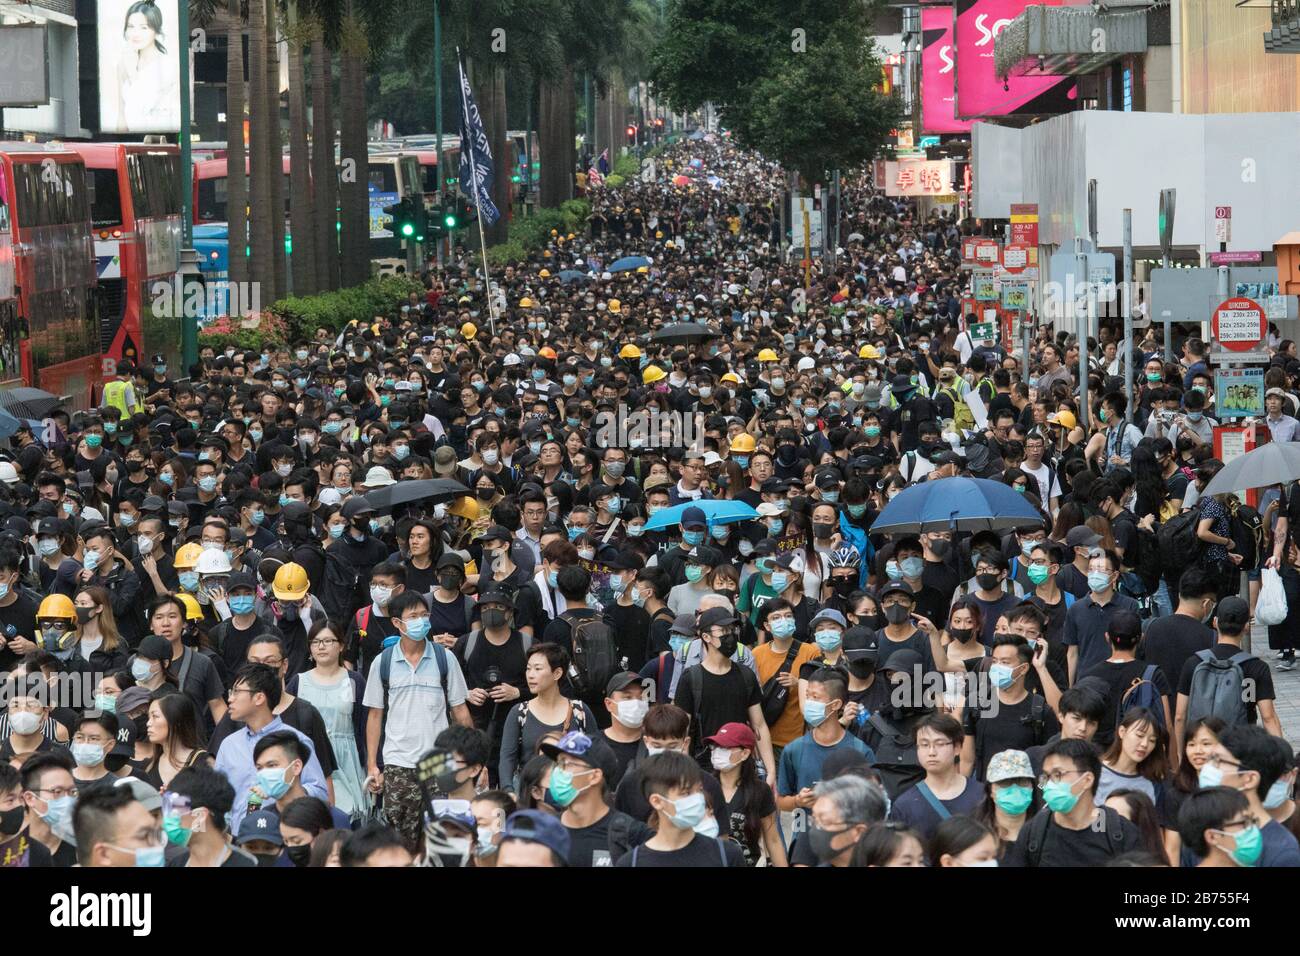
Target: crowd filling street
(662,551)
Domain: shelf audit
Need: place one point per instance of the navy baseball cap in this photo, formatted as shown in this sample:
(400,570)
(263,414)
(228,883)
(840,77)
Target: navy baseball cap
(534,826)
(260,825)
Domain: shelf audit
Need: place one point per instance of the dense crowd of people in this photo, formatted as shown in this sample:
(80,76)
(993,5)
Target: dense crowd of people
(580,570)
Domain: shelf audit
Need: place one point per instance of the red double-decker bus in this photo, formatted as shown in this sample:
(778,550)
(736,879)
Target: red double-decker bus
(49,336)
(134,195)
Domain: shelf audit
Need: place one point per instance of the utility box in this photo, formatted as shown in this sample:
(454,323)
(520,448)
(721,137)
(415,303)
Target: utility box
(1288,263)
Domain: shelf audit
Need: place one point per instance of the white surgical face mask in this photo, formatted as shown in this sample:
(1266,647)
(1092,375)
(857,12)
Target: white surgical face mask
(631,713)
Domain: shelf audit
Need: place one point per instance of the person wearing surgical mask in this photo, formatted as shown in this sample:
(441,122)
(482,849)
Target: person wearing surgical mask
(627,700)
(673,785)
(1015,717)
(749,801)
(92,739)
(50,793)
(491,808)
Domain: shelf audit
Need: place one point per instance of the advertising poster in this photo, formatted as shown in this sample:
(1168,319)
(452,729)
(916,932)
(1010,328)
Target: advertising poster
(939,73)
(139,66)
(979,91)
(1239,393)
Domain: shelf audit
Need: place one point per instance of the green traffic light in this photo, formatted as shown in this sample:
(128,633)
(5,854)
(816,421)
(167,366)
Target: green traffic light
(408,229)
(450,221)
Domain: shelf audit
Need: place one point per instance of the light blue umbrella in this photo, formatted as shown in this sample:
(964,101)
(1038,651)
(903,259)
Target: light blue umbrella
(9,425)
(573,275)
(957,504)
(717,511)
(628,263)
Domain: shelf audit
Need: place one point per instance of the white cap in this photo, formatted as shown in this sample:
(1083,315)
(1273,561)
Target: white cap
(379,477)
(8,473)
(91,514)
(770,509)
(330,496)
(712,458)
(213,561)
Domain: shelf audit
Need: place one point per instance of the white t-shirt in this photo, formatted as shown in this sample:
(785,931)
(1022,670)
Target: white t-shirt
(1041,475)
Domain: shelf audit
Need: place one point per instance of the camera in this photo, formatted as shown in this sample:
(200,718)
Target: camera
(493,676)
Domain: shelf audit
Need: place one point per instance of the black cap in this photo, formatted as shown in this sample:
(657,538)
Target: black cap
(496,597)
(905,660)
(621,681)
(242,579)
(1231,615)
(496,533)
(450,559)
(715,616)
(296,511)
(902,587)
(703,554)
(355,507)
(155,648)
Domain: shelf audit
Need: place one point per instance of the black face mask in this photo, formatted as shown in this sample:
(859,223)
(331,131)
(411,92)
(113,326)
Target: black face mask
(495,617)
(941,547)
(823,530)
(11,821)
(299,855)
(844,586)
(961,634)
(485,494)
(896,613)
(727,647)
(266,859)
(987,581)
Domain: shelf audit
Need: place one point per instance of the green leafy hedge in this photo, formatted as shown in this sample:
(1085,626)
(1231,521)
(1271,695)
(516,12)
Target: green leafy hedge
(531,233)
(334,310)
(629,167)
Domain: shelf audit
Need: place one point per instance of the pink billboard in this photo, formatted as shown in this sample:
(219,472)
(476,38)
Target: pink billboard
(938,73)
(979,91)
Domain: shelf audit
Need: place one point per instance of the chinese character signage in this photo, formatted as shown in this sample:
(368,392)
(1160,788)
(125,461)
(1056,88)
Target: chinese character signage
(1239,393)
(919,178)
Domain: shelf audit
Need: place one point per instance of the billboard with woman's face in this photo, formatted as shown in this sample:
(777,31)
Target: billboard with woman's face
(139,66)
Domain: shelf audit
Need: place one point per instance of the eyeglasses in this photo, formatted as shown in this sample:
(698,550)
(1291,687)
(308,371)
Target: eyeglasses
(240,690)
(1055,777)
(1217,761)
(937,744)
(324,641)
(58,792)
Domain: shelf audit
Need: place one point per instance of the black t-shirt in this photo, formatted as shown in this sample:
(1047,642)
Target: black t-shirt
(1007,727)
(723,698)
(625,751)
(1254,670)
(22,851)
(750,845)
(1170,641)
(1119,677)
(631,627)
(421,580)
(1055,614)
(508,661)
(1071,579)
(941,576)
(232,643)
(17,620)
(1091,846)
(702,851)
(590,846)
(917,641)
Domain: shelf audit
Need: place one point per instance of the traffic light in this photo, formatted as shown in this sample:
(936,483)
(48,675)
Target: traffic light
(403,214)
(631,132)
(659,124)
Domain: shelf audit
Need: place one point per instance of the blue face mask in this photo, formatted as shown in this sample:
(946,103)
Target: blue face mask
(692,537)
(1027,547)
(893,570)
(780,581)
(1001,675)
(814,712)
(284,500)
(538,374)
(638,598)
(336,531)
(1098,580)
(257,517)
(856,511)
(677,644)
(782,627)
(829,640)
(720,532)
(189,580)
(417,629)
(553,578)
(635,530)
(831,496)
(242,604)
(741,461)
(774,527)
(272,781)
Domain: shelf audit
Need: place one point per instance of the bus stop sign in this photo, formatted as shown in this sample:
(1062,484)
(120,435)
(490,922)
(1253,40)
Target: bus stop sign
(1239,324)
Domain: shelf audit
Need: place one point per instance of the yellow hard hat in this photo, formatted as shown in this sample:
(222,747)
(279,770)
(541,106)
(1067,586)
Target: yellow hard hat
(743,442)
(659,233)
(629,351)
(652,374)
(545,273)
(767,355)
(525,303)
(642,268)
(669,245)
(466,507)
(187,556)
(546,253)
(730,377)
(555,232)
(570,236)
(57,605)
(291,582)
(547,353)
(868,352)
(468,330)
(193,612)
(615,306)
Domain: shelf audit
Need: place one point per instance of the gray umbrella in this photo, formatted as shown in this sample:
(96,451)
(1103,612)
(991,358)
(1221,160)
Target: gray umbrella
(1273,464)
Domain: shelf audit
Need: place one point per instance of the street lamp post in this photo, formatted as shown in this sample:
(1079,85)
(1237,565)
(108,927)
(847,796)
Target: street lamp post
(189,257)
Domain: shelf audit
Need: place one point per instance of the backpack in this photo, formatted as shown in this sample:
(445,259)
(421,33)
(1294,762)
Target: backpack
(1113,828)
(386,669)
(962,417)
(1216,689)
(1180,548)
(471,642)
(595,655)
(1247,532)
(1146,563)
(1142,693)
(896,759)
(339,594)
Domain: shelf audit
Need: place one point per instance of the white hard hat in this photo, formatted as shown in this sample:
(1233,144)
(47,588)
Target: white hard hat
(213,561)
(807,363)
(509,360)
(8,473)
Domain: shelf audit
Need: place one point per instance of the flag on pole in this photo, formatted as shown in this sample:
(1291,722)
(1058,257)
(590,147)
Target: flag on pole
(603,162)
(594,178)
(475,154)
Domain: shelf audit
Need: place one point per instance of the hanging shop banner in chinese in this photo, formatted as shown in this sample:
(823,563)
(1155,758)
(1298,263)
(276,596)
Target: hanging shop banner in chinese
(930,177)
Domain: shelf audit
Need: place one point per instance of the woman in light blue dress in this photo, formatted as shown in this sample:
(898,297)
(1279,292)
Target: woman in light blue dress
(337,693)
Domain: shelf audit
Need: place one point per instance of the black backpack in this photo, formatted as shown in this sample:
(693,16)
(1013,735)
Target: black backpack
(1113,827)
(896,759)
(774,695)
(595,654)
(1247,532)
(340,595)
(1180,548)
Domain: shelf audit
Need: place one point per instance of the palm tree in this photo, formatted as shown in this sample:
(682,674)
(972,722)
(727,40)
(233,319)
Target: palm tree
(301,210)
(325,184)
(259,134)
(236,175)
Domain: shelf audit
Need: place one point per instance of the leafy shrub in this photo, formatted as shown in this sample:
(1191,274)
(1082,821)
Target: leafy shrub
(303,315)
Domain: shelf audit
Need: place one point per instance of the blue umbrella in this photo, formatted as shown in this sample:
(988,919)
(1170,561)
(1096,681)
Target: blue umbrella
(628,263)
(959,504)
(9,425)
(717,511)
(573,275)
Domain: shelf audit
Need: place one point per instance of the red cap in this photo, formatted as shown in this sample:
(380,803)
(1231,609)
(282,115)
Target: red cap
(733,735)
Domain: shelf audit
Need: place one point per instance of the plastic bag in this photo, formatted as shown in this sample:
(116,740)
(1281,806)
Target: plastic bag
(1271,609)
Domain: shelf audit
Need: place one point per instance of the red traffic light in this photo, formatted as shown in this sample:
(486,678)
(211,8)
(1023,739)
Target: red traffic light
(631,129)
(659,123)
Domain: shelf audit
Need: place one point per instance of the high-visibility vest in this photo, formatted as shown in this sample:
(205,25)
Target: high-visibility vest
(115,396)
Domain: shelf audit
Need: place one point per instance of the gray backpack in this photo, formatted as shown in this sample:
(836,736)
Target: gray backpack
(1218,688)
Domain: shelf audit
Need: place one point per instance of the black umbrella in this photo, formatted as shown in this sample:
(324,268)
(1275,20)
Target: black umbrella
(25,402)
(687,333)
(422,489)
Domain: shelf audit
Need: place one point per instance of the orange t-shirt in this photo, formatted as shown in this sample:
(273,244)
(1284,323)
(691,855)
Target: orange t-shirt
(789,726)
